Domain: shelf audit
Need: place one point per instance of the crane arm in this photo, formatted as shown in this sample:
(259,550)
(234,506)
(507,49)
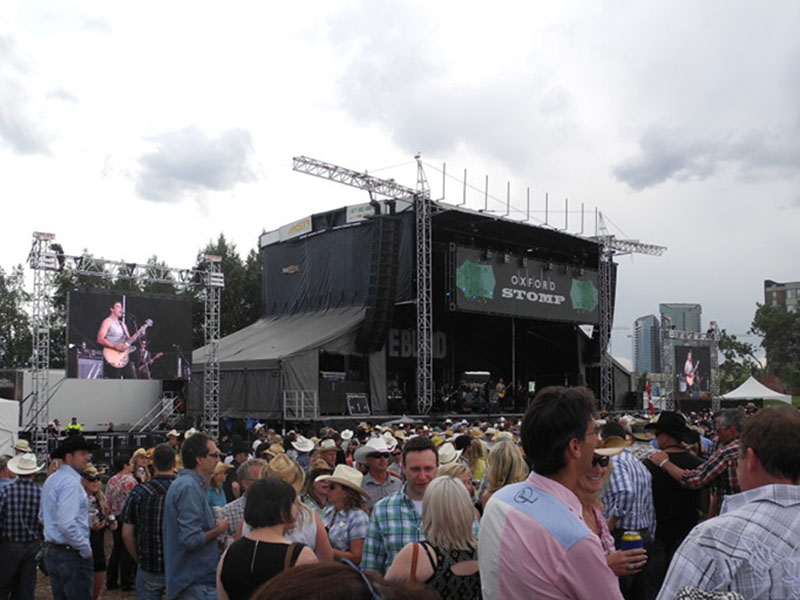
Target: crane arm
(363,181)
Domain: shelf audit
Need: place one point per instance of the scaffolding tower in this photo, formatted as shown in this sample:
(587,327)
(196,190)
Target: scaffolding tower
(46,258)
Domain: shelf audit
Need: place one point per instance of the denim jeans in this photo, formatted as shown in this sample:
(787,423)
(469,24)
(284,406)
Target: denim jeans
(199,591)
(71,577)
(18,570)
(150,586)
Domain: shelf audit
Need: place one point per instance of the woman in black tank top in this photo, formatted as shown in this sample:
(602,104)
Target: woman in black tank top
(264,552)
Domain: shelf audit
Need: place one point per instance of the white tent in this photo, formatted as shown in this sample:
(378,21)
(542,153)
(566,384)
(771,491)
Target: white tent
(753,389)
(9,425)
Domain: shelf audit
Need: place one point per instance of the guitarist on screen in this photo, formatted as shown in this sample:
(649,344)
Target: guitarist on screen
(113,334)
(145,360)
(689,371)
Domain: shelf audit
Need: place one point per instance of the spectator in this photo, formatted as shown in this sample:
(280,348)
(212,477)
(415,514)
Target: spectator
(261,436)
(20,529)
(173,439)
(314,493)
(120,563)
(248,473)
(449,565)
(396,520)
(141,465)
(474,452)
(347,519)
(63,511)
(216,495)
(506,466)
(628,500)
(241,452)
(97,527)
(191,552)
(264,552)
(74,428)
(7,476)
(142,525)
(378,483)
(327,451)
(751,548)
(533,542)
(301,451)
(22,447)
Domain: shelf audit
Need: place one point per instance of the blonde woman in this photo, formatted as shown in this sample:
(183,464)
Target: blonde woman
(97,527)
(447,561)
(474,453)
(505,466)
(461,472)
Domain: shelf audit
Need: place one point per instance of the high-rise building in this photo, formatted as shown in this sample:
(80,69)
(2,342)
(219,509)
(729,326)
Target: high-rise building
(783,296)
(647,345)
(682,317)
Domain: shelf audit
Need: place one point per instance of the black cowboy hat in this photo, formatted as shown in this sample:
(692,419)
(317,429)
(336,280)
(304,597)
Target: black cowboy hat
(673,424)
(72,443)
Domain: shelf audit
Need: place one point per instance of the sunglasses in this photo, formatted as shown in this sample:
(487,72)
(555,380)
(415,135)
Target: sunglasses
(600,460)
(378,455)
(89,478)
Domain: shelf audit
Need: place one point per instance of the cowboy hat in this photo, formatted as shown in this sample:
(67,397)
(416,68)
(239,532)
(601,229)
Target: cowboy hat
(90,473)
(672,424)
(302,444)
(271,450)
(139,452)
(221,467)
(189,433)
(448,454)
(400,434)
(376,444)
(347,434)
(173,432)
(24,464)
(611,446)
(390,440)
(327,444)
(284,468)
(23,446)
(347,477)
(73,443)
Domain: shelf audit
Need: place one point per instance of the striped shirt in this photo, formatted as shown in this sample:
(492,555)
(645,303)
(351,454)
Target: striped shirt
(629,495)
(750,548)
(394,522)
(19,511)
(720,468)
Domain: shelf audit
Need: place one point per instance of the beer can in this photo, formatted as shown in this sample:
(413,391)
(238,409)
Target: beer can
(631,540)
(217,510)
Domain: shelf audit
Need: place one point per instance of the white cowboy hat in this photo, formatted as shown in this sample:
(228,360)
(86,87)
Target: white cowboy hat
(24,464)
(327,444)
(302,444)
(346,476)
(22,446)
(173,432)
(390,440)
(448,454)
(376,444)
(347,434)
(189,433)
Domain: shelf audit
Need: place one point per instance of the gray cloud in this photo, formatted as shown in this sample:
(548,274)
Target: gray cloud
(189,162)
(19,126)
(666,154)
(62,94)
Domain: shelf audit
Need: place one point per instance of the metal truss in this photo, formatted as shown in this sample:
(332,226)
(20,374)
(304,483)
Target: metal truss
(422,207)
(46,258)
(363,181)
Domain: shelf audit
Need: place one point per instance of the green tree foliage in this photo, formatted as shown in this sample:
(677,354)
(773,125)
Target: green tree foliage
(740,362)
(15,325)
(780,337)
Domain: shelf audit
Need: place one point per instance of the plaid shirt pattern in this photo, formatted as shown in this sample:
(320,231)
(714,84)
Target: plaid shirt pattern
(234,512)
(720,468)
(394,522)
(19,512)
(751,548)
(629,495)
(144,509)
(117,490)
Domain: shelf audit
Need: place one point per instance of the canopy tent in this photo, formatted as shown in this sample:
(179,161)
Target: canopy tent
(752,389)
(9,425)
(282,353)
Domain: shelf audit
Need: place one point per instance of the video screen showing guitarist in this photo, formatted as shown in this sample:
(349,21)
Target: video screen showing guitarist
(117,344)
(690,372)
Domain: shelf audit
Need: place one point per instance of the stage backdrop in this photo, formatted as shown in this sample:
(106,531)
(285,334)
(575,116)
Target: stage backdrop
(499,283)
(165,324)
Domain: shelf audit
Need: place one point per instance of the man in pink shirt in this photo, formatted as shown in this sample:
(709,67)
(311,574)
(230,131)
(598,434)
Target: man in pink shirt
(533,542)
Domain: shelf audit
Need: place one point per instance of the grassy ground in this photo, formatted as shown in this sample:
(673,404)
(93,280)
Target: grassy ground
(795,402)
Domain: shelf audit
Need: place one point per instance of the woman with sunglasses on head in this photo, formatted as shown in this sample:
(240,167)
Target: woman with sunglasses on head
(97,527)
(346,520)
(590,485)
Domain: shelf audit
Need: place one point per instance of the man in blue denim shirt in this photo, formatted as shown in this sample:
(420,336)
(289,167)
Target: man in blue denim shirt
(64,511)
(191,552)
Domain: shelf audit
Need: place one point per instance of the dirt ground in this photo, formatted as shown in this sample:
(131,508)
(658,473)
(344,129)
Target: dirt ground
(43,583)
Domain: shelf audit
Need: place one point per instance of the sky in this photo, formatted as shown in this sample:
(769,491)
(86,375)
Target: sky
(133,130)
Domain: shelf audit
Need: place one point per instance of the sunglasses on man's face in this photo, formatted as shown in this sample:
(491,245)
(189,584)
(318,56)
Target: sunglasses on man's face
(600,460)
(378,455)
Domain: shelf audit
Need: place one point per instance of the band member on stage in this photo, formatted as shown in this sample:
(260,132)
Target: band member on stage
(144,362)
(113,334)
(500,391)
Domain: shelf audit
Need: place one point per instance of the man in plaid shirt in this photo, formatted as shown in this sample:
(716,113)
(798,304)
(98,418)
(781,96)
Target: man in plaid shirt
(248,472)
(20,529)
(720,470)
(142,517)
(396,520)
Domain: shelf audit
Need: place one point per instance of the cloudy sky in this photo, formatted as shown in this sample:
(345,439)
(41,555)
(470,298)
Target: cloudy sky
(149,128)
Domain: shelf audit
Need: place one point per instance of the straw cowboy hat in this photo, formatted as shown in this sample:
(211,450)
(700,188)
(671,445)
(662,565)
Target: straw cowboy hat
(611,446)
(400,434)
(448,454)
(189,433)
(24,464)
(376,444)
(139,452)
(303,444)
(90,473)
(347,477)
(221,468)
(23,446)
(284,468)
(272,450)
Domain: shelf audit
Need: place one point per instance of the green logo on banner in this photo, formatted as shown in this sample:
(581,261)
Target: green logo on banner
(476,281)
(584,295)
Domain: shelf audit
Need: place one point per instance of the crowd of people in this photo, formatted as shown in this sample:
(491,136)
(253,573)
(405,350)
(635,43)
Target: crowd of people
(565,503)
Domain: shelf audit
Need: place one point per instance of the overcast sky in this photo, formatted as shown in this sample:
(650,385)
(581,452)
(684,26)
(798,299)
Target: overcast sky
(149,128)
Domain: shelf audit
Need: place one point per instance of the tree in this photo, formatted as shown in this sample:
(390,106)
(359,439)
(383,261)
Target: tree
(780,336)
(15,325)
(740,362)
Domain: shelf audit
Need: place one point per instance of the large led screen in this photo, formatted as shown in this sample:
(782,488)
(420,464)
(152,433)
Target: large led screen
(128,336)
(693,371)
